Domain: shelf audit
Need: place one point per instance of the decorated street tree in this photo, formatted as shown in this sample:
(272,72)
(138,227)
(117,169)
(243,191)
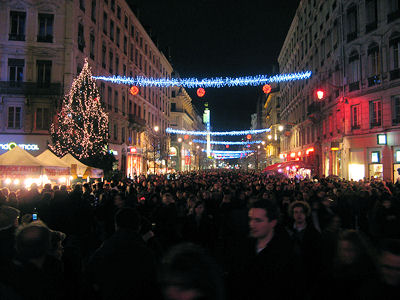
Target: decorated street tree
(81,127)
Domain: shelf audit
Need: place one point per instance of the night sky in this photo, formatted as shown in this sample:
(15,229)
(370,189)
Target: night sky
(212,38)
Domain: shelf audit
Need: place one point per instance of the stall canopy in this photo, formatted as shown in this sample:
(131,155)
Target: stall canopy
(81,170)
(283,165)
(19,163)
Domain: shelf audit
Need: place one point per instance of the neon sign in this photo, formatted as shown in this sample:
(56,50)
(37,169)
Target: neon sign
(12,145)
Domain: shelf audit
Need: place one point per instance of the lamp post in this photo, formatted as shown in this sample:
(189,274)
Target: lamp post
(156,128)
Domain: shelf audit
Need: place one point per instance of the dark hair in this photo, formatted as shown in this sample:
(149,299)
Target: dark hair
(304,205)
(189,267)
(127,218)
(33,240)
(270,207)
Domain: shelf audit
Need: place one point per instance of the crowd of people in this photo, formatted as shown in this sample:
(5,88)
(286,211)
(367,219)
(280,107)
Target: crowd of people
(202,235)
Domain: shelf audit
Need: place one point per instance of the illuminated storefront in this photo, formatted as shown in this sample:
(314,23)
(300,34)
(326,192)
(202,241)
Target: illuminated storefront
(34,144)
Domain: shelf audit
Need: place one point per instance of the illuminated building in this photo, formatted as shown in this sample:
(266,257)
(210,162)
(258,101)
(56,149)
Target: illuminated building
(43,47)
(352,48)
(184,153)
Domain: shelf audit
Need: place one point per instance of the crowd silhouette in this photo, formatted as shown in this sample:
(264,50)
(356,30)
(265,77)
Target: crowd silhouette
(202,235)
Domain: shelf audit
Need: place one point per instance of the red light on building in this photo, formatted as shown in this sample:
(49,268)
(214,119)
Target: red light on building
(201,92)
(309,150)
(266,88)
(248,136)
(320,94)
(134,90)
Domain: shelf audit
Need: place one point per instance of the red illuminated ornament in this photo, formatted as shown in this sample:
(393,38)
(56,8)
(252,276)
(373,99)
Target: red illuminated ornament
(248,136)
(226,146)
(134,90)
(185,136)
(320,94)
(266,88)
(201,92)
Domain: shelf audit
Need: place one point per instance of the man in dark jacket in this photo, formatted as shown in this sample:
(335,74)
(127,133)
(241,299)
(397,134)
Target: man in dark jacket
(123,268)
(268,258)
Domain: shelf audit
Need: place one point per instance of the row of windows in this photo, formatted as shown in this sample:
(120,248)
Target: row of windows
(18,23)
(16,71)
(375,113)
(41,118)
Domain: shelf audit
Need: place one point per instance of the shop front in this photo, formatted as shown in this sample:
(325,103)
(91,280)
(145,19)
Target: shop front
(34,144)
(134,162)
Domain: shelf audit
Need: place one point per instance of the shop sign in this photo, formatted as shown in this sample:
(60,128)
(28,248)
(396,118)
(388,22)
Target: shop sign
(173,151)
(12,145)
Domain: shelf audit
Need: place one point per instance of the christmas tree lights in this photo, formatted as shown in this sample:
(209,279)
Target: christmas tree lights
(205,82)
(81,127)
(231,133)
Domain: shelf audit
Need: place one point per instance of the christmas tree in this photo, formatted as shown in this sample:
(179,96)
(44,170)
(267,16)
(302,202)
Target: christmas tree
(81,127)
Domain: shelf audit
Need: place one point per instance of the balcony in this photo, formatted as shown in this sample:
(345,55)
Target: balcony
(137,123)
(374,80)
(354,86)
(30,88)
(16,37)
(45,38)
(395,74)
(179,110)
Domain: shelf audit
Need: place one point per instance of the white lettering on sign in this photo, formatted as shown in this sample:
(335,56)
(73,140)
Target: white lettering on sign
(11,145)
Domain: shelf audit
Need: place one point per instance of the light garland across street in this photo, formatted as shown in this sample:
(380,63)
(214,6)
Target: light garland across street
(205,82)
(231,133)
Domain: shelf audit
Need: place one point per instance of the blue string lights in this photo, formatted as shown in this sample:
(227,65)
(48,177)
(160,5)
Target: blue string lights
(206,82)
(226,142)
(231,133)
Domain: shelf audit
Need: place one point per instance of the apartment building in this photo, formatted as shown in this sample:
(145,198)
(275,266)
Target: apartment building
(43,45)
(184,153)
(352,47)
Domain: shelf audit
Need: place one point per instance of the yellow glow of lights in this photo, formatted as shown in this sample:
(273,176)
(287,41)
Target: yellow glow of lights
(280,128)
(8,181)
(334,148)
(269,137)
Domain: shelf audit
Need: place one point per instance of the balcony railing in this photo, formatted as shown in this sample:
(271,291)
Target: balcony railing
(136,122)
(16,37)
(30,88)
(45,38)
(395,74)
(374,80)
(182,111)
(354,86)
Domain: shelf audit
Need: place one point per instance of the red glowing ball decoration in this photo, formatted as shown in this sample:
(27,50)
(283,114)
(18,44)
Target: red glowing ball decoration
(266,88)
(185,136)
(201,92)
(226,146)
(320,94)
(134,90)
(248,136)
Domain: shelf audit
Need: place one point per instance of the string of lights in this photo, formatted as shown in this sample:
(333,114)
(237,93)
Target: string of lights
(231,133)
(228,152)
(205,82)
(226,142)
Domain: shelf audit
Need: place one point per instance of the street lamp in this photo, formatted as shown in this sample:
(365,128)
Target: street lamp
(280,128)
(155,146)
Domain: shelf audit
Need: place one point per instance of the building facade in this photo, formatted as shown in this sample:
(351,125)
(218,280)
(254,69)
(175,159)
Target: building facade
(352,47)
(42,49)
(185,155)
(272,121)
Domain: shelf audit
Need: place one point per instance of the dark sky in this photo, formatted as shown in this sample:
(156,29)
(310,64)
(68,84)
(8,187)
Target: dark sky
(212,38)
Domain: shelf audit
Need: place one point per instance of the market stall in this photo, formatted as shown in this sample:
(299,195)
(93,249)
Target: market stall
(79,169)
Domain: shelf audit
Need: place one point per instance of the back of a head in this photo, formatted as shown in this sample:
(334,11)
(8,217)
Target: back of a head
(127,218)
(33,240)
(188,267)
